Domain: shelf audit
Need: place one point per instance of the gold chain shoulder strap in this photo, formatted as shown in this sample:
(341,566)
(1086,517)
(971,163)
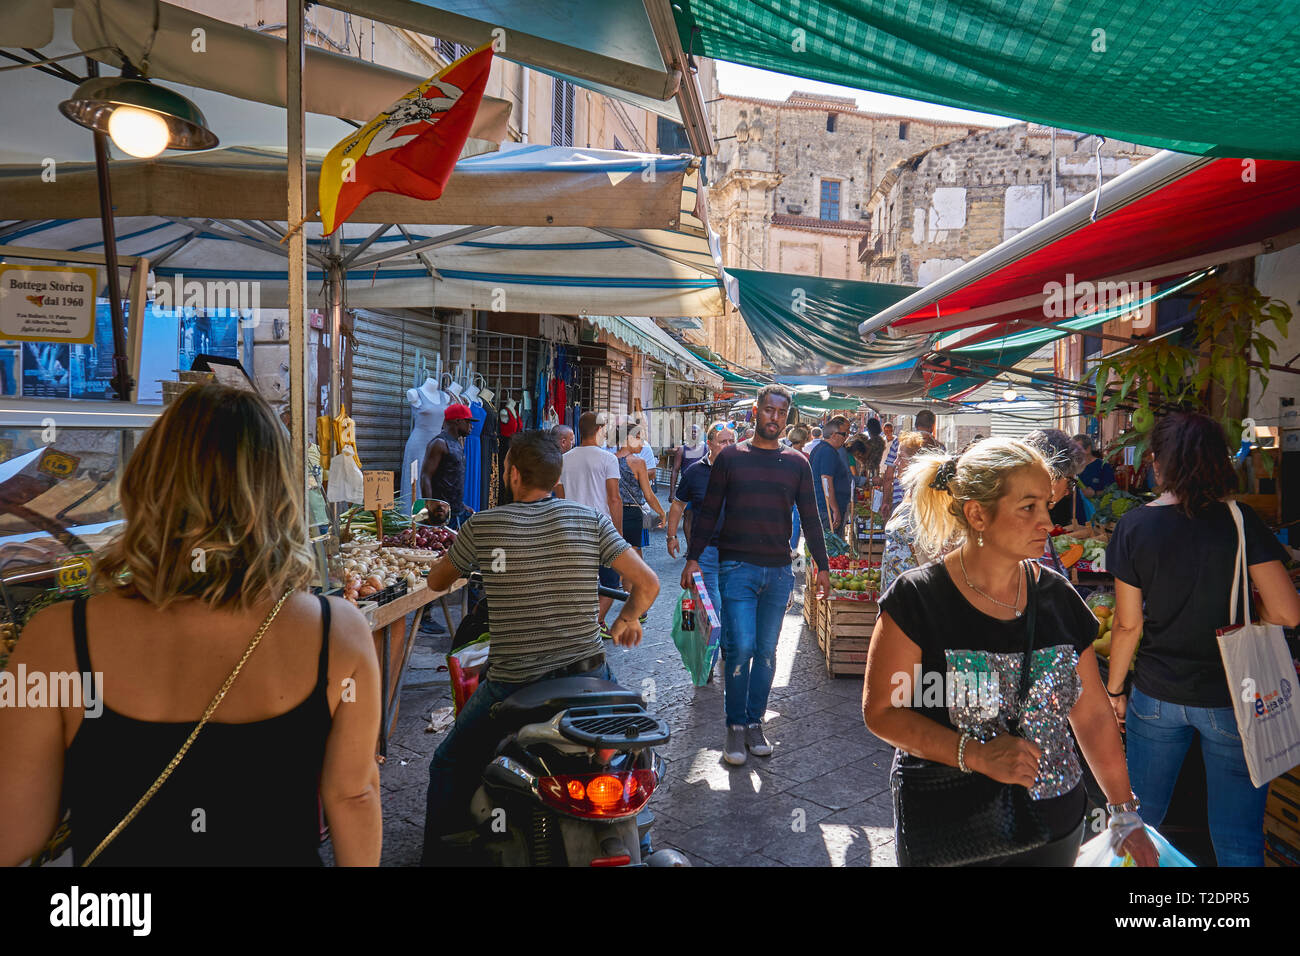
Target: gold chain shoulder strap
(180,754)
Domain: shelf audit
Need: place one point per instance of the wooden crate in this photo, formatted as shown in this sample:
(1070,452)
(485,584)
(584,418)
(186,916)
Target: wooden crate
(1282,821)
(844,634)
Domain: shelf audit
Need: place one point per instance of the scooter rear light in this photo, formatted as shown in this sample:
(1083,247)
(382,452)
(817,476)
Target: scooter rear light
(598,795)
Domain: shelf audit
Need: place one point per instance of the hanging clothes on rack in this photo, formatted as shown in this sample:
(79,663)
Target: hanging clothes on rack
(474,459)
(490,445)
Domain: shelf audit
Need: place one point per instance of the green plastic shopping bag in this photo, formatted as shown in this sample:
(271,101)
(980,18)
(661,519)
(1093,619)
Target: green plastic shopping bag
(692,645)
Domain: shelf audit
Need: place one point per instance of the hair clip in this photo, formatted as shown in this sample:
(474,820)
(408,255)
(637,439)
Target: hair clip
(947,471)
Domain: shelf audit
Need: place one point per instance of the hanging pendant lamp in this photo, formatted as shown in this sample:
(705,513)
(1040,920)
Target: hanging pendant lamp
(142,119)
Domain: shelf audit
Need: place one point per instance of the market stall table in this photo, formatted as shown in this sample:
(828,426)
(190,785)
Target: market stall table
(393,656)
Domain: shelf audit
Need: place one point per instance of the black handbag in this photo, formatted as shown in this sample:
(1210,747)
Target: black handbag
(944,817)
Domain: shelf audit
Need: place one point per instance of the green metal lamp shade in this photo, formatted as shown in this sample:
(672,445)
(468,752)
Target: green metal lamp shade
(96,99)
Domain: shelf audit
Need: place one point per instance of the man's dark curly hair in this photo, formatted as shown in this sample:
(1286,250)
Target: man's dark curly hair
(1192,456)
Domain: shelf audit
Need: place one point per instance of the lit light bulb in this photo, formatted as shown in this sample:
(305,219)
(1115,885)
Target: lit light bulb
(138,132)
(1009,393)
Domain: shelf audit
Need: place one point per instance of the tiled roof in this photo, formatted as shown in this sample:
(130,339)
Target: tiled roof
(813,224)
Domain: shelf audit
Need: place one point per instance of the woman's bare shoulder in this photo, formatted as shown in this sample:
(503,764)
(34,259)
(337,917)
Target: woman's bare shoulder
(46,642)
(349,631)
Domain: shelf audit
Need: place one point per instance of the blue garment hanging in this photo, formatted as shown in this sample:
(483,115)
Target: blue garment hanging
(474,459)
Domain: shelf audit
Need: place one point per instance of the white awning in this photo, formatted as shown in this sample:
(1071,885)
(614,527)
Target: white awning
(642,334)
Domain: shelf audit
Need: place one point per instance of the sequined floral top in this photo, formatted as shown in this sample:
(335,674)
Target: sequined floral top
(969,677)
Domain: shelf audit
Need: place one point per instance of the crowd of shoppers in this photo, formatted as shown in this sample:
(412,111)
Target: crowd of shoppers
(968,588)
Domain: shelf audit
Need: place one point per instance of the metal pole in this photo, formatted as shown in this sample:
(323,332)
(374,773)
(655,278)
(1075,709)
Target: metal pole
(121,380)
(335,276)
(297,202)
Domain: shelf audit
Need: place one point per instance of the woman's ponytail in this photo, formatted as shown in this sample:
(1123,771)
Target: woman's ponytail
(935,521)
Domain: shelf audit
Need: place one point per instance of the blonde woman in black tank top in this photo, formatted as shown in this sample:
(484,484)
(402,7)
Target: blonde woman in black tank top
(211,477)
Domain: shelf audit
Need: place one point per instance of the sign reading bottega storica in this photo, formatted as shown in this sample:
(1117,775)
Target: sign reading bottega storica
(48,303)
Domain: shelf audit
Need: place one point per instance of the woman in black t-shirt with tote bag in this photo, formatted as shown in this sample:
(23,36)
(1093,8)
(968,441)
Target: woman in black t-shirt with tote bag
(986,770)
(1173,563)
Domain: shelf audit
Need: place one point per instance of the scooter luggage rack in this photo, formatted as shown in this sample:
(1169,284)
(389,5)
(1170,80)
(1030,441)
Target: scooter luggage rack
(613,726)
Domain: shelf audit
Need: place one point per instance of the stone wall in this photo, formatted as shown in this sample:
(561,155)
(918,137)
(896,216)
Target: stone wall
(935,211)
(766,188)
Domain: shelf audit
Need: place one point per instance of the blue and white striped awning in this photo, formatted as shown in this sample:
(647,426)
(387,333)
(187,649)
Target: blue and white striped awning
(485,245)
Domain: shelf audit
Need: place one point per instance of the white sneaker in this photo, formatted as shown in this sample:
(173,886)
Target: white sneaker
(734,751)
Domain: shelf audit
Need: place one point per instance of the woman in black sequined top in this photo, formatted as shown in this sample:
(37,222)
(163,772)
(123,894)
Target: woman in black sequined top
(961,617)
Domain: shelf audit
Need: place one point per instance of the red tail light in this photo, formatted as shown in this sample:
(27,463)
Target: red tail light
(599,795)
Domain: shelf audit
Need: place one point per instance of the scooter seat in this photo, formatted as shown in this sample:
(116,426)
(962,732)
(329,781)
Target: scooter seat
(544,699)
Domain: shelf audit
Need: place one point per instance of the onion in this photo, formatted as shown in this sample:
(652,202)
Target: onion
(374,581)
(366,591)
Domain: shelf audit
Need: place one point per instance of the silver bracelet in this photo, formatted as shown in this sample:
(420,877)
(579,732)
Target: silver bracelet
(961,753)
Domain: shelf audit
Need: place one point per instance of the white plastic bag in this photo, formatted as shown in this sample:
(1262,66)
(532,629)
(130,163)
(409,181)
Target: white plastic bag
(1099,852)
(1261,680)
(346,482)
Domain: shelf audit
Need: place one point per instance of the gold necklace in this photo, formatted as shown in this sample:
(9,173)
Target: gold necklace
(1020,584)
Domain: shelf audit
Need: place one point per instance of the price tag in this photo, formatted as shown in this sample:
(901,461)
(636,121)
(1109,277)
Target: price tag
(58,464)
(378,490)
(74,573)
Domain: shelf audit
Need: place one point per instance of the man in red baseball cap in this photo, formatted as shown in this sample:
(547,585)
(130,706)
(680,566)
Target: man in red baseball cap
(443,476)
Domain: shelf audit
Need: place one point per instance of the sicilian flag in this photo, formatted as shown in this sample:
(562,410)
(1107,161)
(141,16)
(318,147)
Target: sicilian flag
(411,147)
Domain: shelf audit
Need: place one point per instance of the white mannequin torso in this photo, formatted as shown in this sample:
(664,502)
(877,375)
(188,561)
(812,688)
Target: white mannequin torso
(428,405)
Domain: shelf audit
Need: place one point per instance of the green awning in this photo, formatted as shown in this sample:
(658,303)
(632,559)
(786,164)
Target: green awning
(808,326)
(1207,78)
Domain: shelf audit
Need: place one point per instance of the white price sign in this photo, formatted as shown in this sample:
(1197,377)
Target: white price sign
(48,303)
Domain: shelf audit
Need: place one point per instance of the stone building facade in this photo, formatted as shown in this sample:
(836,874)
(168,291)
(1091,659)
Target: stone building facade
(944,205)
(790,186)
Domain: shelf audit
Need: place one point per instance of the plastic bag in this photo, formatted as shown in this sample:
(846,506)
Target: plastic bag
(693,645)
(465,666)
(1097,852)
(346,482)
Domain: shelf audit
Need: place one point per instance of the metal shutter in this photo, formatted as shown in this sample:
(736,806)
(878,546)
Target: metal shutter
(383,368)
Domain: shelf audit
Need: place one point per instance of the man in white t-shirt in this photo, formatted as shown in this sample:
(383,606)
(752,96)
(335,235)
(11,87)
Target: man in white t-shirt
(590,477)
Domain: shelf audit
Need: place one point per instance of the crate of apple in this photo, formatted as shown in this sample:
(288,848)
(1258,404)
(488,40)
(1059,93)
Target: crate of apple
(859,584)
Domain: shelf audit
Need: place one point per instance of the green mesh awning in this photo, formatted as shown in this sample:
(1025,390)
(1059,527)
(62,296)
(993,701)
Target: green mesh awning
(1198,77)
(808,325)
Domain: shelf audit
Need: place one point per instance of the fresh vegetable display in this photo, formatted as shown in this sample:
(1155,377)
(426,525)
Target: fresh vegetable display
(1078,549)
(835,545)
(421,536)
(1113,502)
(366,571)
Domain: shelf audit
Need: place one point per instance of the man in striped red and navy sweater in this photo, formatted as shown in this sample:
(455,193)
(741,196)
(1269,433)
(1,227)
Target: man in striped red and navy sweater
(758,482)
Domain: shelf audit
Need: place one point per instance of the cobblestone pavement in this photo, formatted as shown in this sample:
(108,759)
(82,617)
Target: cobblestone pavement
(821,799)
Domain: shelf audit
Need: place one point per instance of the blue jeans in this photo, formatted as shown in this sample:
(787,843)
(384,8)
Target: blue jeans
(455,771)
(753,607)
(1159,734)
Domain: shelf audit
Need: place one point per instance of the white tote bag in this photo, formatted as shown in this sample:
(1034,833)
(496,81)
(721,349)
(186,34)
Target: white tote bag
(1262,681)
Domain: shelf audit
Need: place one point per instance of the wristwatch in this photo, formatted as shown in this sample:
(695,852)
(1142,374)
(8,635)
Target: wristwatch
(1131,806)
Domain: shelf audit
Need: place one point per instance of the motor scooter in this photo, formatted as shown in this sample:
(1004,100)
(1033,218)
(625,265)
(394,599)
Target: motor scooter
(571,778)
